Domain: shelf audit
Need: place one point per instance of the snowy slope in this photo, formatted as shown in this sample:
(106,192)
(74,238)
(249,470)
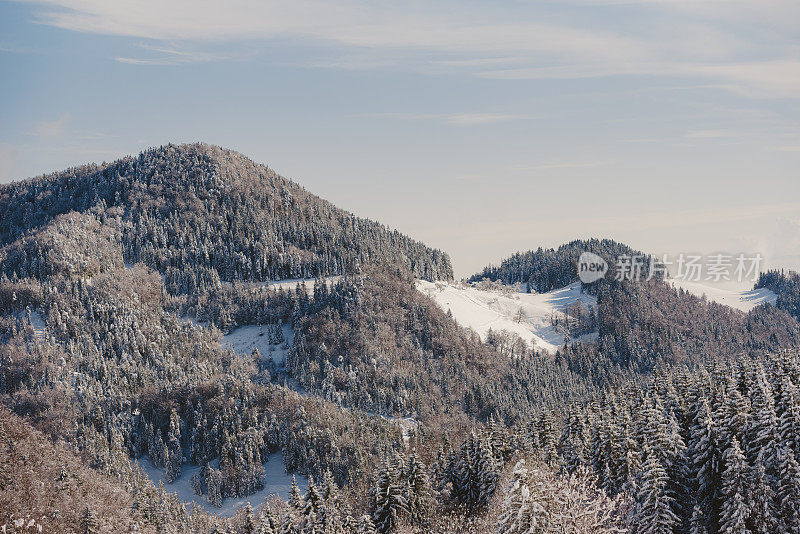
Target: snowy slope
(276,482)
(527,314)
(244,339)
(744,300)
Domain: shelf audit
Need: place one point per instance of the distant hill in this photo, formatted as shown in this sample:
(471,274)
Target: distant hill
(217,212)
(786,285)
(546,269)
(643,324)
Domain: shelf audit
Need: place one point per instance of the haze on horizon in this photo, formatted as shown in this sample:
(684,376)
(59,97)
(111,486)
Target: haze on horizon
(479,128)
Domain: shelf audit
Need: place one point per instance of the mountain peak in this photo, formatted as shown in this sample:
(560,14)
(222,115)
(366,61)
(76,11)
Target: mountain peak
(238,218)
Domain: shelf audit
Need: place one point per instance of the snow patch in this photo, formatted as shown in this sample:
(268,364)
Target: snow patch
(527,314)
(245,339)
(35,319)
(740,299)
(407,426)
(37,322)
(288,284)
(276,482)
(307,282)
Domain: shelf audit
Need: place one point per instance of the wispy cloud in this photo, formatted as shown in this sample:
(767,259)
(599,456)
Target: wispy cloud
(562,165)
(787,148)
(712,134)
(164,56)
(715,42)
(53,128)
(462,119)
(14,49)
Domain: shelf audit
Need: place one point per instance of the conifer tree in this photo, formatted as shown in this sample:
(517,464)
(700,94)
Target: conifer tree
(788,494)
(389,504)
(653,512)
(734,510)
(366,526)
(89,523)
(520,512)
(762,518)
(295,499)
(250,525)
(705,466)
(174,452)
(420,500)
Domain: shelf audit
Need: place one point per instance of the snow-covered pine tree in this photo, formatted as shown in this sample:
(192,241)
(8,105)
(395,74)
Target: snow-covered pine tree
(520,512)
(653,512)
(705,466)
(312,508)
(366,526)
(214,486)
(734,510)
(420,498)
(762,429)
(762,518)
(89,523)
(488,474)
(174,452)
(250,522)
(788,494)
(295,498)
(389,504)
(788,409)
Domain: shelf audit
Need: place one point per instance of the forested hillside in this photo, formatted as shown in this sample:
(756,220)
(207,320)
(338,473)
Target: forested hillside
(200,214)
(785,284)
(120,289)
(546,269)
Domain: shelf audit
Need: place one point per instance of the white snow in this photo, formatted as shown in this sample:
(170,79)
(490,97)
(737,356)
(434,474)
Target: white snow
(288,284)
(740,299)
(307,282)
(527,314)
(36,321)
(246,338)
(407,426)
(38,324)
(188,319)
(276,482)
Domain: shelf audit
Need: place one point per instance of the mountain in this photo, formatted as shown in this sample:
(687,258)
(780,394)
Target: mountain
(786,285)
(547,269)
(641,323)
(188,316)
(214,209)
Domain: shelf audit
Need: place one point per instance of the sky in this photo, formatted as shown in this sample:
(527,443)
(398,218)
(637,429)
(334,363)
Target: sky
(480,128)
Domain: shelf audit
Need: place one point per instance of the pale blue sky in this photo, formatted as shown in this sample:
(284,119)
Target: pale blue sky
(479,127)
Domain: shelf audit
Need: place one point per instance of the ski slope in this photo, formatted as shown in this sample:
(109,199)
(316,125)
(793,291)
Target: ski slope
(527,314)
(744,300)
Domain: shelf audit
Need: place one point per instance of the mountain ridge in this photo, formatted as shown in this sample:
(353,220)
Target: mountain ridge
(201,196)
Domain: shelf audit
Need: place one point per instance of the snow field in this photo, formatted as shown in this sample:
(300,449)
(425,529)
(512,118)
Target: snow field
(744,300)
(527,314)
